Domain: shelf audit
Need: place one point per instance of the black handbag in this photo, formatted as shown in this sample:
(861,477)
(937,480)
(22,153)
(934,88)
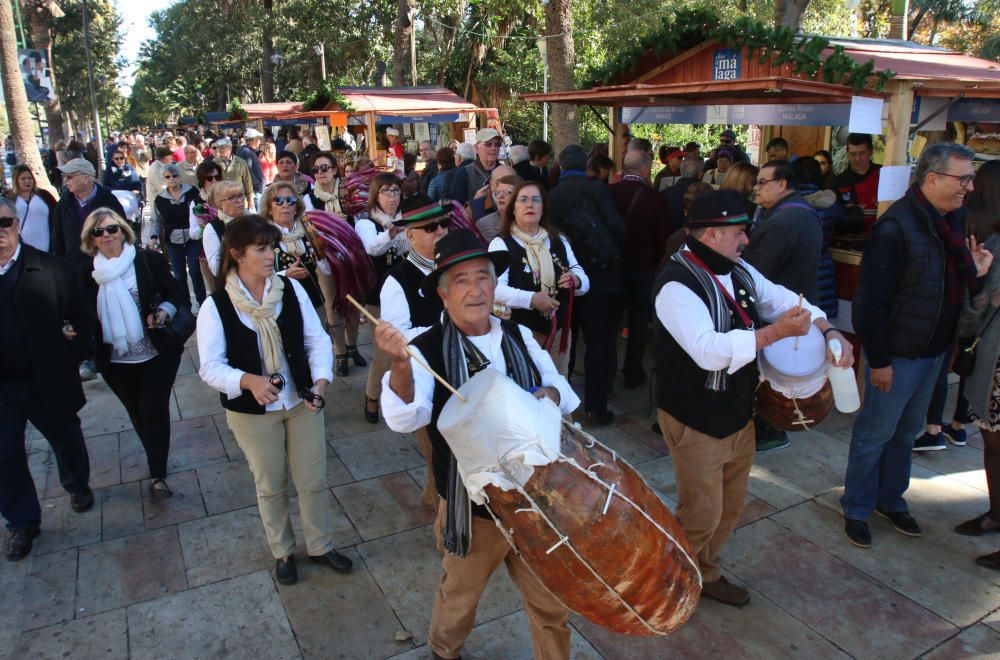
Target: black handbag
(965,359)
(175,332)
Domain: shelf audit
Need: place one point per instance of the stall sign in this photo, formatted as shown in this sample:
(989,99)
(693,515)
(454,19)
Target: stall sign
(726,64)
(415,119)
(665,114)
(975,110)
(924,107)
(774,114)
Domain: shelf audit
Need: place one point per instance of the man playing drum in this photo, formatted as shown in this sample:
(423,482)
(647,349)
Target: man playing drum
(712,311)
(464,341)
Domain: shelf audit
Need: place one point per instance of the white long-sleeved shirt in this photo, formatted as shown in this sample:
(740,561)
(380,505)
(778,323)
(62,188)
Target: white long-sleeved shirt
(217,373)
(521,298)
(377,242)
(407,417)
(687,319)
(395,308)
(212,246)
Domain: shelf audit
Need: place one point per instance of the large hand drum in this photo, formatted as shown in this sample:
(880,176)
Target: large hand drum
(794,393)
(583,520)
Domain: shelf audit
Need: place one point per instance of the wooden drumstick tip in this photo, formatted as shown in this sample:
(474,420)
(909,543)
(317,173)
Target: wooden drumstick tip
(409,350)
(802,298)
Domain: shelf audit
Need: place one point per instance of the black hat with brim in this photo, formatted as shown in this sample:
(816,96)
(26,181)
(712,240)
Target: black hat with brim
(717,208)
(457,247)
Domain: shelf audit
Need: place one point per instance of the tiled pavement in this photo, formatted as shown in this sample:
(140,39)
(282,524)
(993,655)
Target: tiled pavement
(191,578)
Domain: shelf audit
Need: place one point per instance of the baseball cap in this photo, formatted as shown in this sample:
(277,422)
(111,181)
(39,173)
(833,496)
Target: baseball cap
(486,134)
(78,166)
(252,133)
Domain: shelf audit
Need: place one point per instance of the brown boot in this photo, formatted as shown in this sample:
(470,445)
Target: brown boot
(725,592)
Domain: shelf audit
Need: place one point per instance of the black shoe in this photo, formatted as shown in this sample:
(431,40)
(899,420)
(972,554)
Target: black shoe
(902,521)
(858,533)
(82,501)
(656,428)
(599,418)
(341,368)
(285,571)
(990,561)
(159,490)
(928,442)
(635,380)
(359,360)
(978,526)
(371,415)
(334,560)
(17,545)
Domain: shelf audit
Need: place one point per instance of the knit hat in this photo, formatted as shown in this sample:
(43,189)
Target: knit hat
(717,208)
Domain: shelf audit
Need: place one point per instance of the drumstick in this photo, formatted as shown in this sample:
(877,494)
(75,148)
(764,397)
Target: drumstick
(409,350)
(801,298)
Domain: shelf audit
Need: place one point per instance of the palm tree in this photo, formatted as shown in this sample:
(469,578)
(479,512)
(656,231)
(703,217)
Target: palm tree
(788,13)
(561,53)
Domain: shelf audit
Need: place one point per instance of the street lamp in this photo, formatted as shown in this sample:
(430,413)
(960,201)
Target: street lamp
(543,49)
(320,51)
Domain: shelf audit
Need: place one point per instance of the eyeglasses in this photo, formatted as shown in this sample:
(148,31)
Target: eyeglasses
(432,227)
(213,177)
(963,179)
(118,160)
(289,200)
(503,193)
(239,197)
(170,176)
(97,232)
(323,168)
(760,183)
(724,142)
(390,192)
(6,222)
(524,199)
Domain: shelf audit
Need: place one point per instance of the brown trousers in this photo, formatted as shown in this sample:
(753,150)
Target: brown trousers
(712,476)
(464,580)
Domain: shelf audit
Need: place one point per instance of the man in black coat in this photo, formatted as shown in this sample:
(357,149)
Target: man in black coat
(85,195)
(598,249)
(43,331)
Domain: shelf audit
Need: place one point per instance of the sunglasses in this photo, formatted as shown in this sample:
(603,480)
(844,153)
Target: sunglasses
(323,168)
(170,176)
(289,200)
(6,223)
(118,160)
(213,177)
(432,227)
(97,232)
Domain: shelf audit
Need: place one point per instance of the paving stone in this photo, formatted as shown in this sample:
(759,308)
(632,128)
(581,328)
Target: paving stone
(336,472)
(237,618)
(632,449)
(186,504)
(344,533)
(375,454)
(831,596)
(383,506)
(345,415)
(63,528)
(188,365)
(132,456)
(337,615)
(100,636)
(223,546)
(659,474)
(419,475)
(407,567)
(194,442)
(38,464)
(964,464)
(228,440)
(105,469)
(753,510)
(13,584)
(194,397)
(813,464)
(993,621)
(639,425)
(103,412)
(49,593)
(129,570)
(226,487)
(121,511)
(979,641)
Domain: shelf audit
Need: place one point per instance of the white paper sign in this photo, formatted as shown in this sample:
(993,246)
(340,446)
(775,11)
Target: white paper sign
(323,136)
(422,132)
(470,135)
(866,115)
(893,181)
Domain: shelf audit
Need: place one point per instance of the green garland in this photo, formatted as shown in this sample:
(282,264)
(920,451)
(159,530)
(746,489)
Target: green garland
(689,27)
(324,95)
(236,111)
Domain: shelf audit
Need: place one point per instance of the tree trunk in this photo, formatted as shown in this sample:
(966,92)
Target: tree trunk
(40,24)
(17,99)
(401,45)
(266,65)
(561,55)
(788,13)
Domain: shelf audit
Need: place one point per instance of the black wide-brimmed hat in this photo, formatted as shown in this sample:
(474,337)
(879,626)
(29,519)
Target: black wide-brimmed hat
(418,209)
(456,247)
(717,208)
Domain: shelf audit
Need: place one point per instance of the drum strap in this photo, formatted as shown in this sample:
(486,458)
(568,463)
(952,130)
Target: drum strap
(747,322)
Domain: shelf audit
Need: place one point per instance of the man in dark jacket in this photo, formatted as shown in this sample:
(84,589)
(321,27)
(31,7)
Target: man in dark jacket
(691,170)
(71,211)
(916,271)
(536,167)
(648,225)
(248,152)
(43,331)
(579,202)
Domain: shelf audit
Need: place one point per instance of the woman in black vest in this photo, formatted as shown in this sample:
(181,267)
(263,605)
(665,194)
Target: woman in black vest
(202,213)
(263,347)
(294,254)
(536,287)
(173,228)
(131,293)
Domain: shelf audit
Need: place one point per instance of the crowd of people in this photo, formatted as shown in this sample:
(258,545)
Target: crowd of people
(488,262)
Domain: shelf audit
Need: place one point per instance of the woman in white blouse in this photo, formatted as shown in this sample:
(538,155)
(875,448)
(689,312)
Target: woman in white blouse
(35,209)
(543,270)
(263,347)
(229,200)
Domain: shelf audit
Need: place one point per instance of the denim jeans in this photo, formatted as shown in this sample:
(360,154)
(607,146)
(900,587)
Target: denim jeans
(187,254)
(878,465)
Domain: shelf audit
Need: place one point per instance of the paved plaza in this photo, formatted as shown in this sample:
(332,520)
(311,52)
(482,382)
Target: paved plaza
(191,577)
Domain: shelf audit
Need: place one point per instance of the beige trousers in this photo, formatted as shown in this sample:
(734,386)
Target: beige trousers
(712,476)
(343,329)
(464,580)
(274,443)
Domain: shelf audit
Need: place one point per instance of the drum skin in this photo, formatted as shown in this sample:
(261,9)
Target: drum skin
(627,551)
(780,412)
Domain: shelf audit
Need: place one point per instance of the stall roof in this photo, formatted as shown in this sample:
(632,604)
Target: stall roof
(405,100)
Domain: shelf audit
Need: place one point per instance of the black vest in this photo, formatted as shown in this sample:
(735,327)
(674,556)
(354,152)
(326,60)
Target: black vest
(424,310)
(282,260)
(383,263)
(242,352)
(680,382)
(220,230)
(430,344)
(15,359)
(519,276)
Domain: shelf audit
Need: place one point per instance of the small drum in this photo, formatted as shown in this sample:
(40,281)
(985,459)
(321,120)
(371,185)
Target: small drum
(794,393)
(582,519)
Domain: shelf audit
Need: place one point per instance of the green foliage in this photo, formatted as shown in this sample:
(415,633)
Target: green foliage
(236,111)
(326,94)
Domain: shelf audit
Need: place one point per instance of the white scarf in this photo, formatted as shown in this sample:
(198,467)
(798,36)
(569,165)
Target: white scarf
(331,200)
(116,309)
(293,240)
(263,315)
(539,257)
(384,219)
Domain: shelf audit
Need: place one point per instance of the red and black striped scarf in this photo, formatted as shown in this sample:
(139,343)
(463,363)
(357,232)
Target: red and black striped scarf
(960,270)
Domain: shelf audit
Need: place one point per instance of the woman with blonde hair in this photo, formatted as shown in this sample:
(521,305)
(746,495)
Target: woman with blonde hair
(133,295)
(742,177)
(294,255)
(229,202)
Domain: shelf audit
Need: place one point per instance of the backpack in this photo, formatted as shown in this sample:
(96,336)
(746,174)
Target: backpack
(592,242)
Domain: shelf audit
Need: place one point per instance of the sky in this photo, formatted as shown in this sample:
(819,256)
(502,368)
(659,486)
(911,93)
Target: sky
(137,31)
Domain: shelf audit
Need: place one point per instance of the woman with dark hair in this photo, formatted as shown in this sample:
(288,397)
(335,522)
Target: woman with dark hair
(825,161)
(441,183)
(981,387)
(36,209)
(262,346)
(173,227)
(386,244)
(326,194)
(542,270)
(121,176)
(208,173)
